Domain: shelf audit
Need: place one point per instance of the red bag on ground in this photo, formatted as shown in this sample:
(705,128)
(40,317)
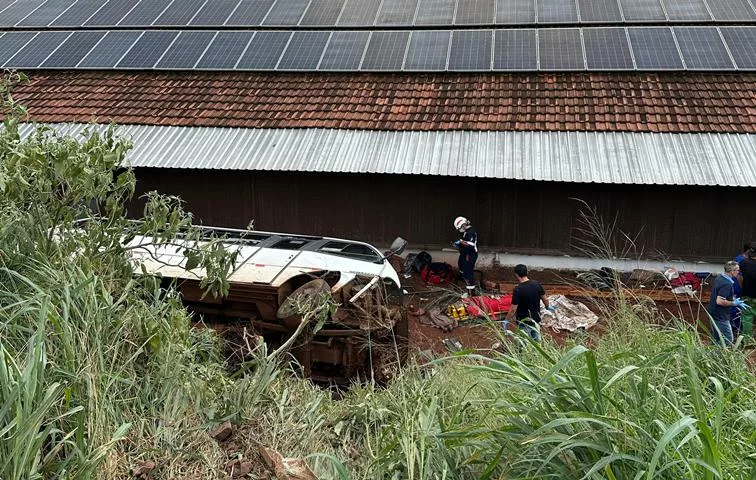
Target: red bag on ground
(437,273)
(686,278)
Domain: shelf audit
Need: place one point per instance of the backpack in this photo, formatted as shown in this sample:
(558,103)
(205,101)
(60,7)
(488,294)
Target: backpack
(421,260)
(437,273)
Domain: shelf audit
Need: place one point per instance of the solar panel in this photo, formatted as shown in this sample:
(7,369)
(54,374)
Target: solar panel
(607,49)
(225,50)
(396,12)
(111,13)
(703,49)
(16,12)
(36,51)
(46,13)
(599,11)
(73,49)
(435,12)
(470,50)
(304,51)
(322,12)
(732,10)
(214,13)
(148,49)
(110,49)
(515,11)
(475,12)
(186,50)
(428,50)
(515,50)
(249,12)
(654,48)
(286,12)
(179,12)
(687,10)
(740,41)
(359,12)
(560,49)
(263,51)
(144,13)
(12,42)
(642,11)
(76,15)
(344,51)
(385,51)
(557,11)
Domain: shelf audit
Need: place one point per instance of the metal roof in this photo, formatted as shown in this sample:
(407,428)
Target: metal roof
(583,157)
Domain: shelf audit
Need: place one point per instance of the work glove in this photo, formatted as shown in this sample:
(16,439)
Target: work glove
(738,302)
(551,308)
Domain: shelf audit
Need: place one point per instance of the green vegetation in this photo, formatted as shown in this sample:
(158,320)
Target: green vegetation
(100,371)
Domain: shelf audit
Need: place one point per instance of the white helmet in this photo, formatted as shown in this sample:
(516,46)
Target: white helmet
(460,222)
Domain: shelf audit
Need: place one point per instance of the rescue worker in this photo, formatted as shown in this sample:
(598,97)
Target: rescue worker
(748,282)
(722,299)
(468,252)
(738,291)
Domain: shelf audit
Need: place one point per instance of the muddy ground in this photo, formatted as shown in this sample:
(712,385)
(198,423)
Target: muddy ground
(653,294)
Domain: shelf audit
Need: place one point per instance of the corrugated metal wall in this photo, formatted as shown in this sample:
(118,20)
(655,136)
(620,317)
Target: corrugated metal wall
(515,216)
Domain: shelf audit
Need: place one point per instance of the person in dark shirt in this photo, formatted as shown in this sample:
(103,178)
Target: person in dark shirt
(468,252)
(738,291)
(748,284)
(722,299)
(526,304)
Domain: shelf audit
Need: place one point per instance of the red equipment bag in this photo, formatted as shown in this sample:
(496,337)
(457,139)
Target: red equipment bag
(437,273)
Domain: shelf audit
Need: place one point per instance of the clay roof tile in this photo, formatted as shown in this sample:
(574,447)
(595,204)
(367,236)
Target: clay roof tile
(651,102)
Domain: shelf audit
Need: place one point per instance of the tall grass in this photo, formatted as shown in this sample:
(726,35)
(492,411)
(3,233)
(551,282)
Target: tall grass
(674,409)
(100,372)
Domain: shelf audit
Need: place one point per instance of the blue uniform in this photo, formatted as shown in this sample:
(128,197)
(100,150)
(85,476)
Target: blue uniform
(737,290)
(720,316)
(468,255)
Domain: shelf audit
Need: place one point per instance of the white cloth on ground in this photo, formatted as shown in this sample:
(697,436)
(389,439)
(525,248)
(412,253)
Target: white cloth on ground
(570,315)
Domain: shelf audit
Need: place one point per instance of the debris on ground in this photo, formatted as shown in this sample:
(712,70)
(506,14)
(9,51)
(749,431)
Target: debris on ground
(232,449)
(286,468)
(142,472)
(433,273)
(239,467)
(605,278)
(428,332)
(570,315)
(686,283)
(452,344)
(222,432)
(644,278)
(436,318)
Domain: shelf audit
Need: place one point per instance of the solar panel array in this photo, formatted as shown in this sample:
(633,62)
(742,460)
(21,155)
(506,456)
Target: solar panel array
(379,35)
(363,13)
(555,49)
